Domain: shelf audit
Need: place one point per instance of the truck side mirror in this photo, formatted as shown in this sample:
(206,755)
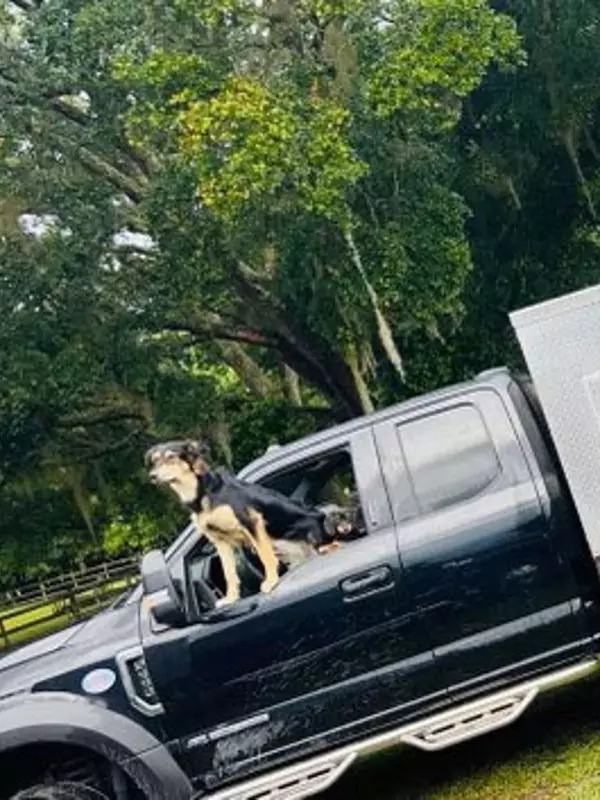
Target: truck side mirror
(160,595)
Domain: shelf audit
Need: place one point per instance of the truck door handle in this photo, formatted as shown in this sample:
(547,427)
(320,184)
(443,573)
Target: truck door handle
(374,580)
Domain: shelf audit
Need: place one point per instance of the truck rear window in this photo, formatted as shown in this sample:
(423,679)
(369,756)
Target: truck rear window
(450,457)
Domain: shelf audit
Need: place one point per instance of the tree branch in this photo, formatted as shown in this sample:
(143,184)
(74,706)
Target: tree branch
(113,448)
(91,161)
(249,273)
(141,162)
(48,94)
(87,421)
(219,331)
(383,329)
(291,385)
(310,356)
(132,249)
(98,166)
(24,5)
(246,368)
(136,161)
(69,112)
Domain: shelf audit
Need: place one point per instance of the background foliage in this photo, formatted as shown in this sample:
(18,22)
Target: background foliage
(249,220)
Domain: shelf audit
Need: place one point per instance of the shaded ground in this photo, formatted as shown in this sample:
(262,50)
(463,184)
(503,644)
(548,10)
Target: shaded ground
(552,753)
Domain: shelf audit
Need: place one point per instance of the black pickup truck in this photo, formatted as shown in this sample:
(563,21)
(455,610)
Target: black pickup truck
(474,589)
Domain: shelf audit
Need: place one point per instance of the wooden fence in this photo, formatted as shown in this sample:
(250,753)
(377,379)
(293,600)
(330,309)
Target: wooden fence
(36,609)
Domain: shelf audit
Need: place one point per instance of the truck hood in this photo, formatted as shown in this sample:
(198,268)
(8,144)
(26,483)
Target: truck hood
(48,644)
(76,649)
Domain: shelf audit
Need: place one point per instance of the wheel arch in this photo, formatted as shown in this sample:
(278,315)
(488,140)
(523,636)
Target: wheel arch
(60,718)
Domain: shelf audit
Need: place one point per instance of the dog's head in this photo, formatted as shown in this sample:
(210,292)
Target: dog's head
(339,523)
(180,465)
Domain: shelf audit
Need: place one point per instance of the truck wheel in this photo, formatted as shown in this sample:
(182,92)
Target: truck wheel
(60,791)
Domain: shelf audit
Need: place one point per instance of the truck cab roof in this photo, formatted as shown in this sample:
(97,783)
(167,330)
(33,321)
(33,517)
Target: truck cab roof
(497,377)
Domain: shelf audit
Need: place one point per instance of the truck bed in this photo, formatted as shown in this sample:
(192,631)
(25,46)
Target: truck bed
(560,340)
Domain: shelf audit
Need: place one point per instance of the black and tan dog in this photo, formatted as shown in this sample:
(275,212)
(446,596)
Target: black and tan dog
(233,514)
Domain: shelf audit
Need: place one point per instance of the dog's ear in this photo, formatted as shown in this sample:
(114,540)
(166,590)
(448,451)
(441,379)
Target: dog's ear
(195,453)
(148,456)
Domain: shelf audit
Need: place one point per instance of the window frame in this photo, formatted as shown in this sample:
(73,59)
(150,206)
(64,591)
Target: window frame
(398,481)
(300,465)
(361,447)
(423,510)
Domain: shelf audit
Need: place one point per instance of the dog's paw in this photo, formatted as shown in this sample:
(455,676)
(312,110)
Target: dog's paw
(268,586)
(226,601)
(328,548)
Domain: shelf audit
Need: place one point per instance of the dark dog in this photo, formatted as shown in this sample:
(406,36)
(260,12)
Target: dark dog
(232,513)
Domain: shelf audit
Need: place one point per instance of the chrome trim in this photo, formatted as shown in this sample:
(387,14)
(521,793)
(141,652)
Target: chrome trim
(237,727)
(316,774)
(293,783)
(470,721)
(122,659)
(196,741)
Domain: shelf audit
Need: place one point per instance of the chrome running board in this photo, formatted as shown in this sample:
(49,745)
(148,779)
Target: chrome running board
(434,733)
(292,783)
(470,721)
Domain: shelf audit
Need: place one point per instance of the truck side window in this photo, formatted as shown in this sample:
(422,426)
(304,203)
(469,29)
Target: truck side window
(450,457)
(326,481)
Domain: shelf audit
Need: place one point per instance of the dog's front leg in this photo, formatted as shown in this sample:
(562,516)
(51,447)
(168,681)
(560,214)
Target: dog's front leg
(232,581)
(199,520)
(265,551)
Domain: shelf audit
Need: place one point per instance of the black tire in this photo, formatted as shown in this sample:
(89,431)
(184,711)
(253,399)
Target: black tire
(60,791)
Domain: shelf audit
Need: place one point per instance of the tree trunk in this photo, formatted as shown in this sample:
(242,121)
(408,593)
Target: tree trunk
(383,329)
(246,368)
(104,490)
(329,374)
(571,148)
(81,500)
(591,144)
(291,385)
(221,437)
(512,192)
(361,386)
(308,354)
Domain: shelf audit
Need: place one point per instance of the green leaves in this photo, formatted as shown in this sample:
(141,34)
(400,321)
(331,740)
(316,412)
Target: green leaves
(274,135)
(276,124)
(433,53)
(240,143)
(246,143)
(293,166)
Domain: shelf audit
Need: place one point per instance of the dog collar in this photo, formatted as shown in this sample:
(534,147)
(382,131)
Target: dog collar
(210,481)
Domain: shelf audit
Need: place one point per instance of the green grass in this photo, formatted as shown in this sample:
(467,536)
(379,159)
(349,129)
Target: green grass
(552,753)
(46,619)
(43,628)
(32,606)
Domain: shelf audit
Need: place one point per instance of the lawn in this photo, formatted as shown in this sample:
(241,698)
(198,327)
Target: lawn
(552,753)
(32,621)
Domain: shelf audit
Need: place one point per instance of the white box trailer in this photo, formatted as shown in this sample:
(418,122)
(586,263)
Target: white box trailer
(560,340)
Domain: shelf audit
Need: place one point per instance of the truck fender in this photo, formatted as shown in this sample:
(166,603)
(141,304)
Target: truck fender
(66,718)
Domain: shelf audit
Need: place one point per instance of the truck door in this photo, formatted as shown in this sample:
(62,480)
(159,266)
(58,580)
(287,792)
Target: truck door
(489,588)
(336,642)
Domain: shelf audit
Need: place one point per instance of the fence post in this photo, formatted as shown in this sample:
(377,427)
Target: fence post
(73,593)
(4,634)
